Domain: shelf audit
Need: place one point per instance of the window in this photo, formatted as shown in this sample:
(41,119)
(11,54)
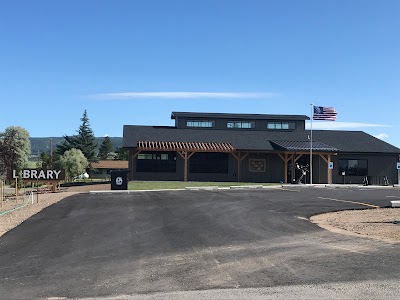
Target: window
(353,167)
(209,163)
(281,125)
(156,162)
(241,124)
(200,123)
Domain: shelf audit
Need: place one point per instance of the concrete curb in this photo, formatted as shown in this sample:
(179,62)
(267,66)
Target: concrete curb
(395,203)
(202,188)
(340,186)
(233,187)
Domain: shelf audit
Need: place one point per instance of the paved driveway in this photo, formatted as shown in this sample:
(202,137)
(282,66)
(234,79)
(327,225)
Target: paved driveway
(108,245)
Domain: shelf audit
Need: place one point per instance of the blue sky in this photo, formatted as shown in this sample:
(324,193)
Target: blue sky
(133,62)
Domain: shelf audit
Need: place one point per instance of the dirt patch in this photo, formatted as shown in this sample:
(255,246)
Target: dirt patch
(372,223)
(21,213)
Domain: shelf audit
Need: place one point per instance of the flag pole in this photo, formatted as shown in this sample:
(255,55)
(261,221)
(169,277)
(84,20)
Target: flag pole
(311,145)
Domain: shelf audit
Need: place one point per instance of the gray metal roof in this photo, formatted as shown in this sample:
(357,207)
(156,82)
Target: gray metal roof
(344,141)
(302,146)
(174,115)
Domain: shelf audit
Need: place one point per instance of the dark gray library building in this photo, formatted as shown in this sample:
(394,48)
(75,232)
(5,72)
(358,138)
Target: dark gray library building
(256,148)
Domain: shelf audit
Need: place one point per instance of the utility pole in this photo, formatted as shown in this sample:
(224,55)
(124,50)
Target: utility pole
(51,152)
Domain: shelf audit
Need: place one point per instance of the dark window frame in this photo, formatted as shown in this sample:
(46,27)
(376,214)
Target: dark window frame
(156,162)
(200,123)
(354,169)
(209,163)
(282,125)
(239,124)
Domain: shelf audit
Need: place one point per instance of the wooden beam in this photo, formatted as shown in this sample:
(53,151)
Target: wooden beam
(323,157)
(281,156)
(235,156)
(286,168)
(239,159)
(136,154)
(185,156)
(329,171)
(298,157)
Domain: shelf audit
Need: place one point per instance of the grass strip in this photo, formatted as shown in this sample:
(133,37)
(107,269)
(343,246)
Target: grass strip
(156,185)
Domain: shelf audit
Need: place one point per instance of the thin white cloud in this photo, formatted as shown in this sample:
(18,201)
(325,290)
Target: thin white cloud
(180,95)
(342,125)
(382,136)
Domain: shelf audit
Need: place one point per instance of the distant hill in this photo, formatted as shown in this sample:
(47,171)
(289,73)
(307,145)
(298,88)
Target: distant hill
(42,144)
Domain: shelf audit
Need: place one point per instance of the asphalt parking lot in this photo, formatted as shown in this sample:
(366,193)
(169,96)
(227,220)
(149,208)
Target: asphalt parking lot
(104,245)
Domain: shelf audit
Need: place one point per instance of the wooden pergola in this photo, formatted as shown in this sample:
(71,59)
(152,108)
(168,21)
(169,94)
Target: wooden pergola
(185,149)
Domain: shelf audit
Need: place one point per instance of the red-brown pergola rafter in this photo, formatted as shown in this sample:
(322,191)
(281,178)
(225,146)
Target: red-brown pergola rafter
(184,146)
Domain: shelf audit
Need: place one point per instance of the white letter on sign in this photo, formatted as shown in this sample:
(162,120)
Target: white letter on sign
(34,174)
(26,174)
(57,173)
(42,175)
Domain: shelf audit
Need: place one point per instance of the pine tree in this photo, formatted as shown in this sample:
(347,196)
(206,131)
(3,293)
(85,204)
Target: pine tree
(106,148)
(84,140)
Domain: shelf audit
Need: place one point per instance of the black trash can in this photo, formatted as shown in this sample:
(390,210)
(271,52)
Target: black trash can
(119,179)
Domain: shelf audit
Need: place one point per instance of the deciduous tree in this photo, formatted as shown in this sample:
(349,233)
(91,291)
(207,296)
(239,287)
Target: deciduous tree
(15,148)
(74,163)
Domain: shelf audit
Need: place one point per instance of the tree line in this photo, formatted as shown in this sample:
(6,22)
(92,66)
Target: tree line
(75,154)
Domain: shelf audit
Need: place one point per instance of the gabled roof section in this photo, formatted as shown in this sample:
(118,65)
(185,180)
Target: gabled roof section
(354,141)
(343,141)
(175,115)
(302,146)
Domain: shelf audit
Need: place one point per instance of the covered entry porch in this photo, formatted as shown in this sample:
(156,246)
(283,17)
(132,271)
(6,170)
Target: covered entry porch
(297,156)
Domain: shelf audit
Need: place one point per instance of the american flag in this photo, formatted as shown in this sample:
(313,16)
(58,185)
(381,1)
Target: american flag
(324,113)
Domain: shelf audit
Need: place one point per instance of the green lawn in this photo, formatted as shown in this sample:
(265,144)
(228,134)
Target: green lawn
(155,185)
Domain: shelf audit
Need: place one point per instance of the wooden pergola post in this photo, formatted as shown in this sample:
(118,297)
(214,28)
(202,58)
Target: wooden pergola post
(286,160)
(329,170)
(328,160)
(239,159)
(185,156)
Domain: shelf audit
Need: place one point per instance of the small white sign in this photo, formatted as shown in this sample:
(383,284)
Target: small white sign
(398,165)
(330,165)
(119,180)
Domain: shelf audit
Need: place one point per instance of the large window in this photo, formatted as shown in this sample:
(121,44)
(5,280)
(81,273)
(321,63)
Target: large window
(200,123)
(281,125)
(156,162)
(209,163)
(353,167)
(240,124)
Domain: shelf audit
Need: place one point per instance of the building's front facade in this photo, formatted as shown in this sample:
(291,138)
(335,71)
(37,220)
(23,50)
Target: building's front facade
(255,148)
